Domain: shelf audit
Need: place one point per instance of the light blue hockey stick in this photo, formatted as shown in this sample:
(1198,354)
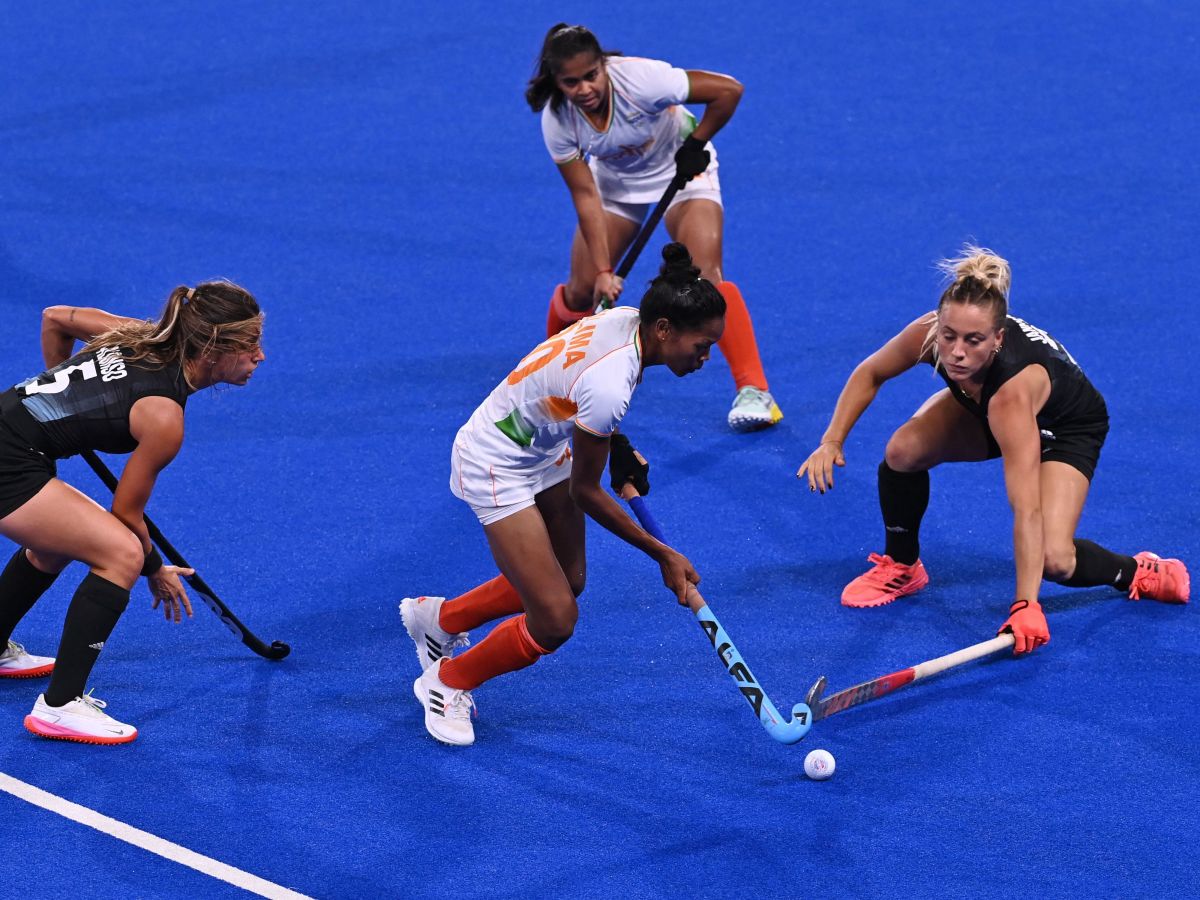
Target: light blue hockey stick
(786,732)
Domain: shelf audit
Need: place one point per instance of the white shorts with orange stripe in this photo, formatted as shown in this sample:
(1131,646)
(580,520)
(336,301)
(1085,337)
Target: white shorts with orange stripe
(495,492)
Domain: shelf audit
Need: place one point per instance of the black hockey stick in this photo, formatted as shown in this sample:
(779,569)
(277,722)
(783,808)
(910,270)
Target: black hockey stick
(277,649)
(639,243)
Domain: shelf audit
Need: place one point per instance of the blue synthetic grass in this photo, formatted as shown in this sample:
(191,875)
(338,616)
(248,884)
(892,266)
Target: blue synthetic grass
(371,172)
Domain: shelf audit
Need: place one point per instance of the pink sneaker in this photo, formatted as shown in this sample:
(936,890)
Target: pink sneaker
(1164,580)
(884,583)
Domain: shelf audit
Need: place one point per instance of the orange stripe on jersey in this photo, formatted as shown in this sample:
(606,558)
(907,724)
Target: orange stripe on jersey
(583,427)
(560,408)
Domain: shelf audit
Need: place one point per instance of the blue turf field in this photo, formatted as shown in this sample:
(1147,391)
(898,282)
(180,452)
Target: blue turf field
(370,171)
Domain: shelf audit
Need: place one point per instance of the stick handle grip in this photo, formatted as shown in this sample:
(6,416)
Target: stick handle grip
(965,655)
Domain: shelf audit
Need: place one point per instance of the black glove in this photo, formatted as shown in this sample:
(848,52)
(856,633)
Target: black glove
(626,465)
(690,160)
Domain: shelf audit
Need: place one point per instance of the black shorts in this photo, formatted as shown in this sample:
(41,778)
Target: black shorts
(23,471)
(1078,449)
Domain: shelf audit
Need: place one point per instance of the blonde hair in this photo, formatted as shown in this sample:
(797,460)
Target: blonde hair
(212,317)
(976,277)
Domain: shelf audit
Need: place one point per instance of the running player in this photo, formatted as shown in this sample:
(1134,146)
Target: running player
(123,393)
(529,463)
(1011,391)
(618,131)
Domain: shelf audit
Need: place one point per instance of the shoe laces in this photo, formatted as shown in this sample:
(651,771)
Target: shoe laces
(885,568)
(94,702)
(751,395)
(1145,578)
(456,642)
(14,649)
(460,705)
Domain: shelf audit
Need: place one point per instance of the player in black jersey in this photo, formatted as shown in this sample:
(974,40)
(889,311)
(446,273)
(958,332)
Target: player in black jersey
(125,392)
(1013,392)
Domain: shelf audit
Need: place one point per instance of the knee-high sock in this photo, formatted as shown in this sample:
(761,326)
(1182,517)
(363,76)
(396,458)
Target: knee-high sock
(509,647)
(91,617)
(21,585)
(1094,565)
(903,498)
(738,343)
(559,315)
(490,601)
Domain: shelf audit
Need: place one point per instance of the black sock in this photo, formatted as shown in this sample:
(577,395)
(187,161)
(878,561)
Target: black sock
(903,497)
(1094,565)
(21,584)
(91,617)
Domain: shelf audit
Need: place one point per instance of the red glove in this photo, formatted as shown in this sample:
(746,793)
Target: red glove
(1028,625)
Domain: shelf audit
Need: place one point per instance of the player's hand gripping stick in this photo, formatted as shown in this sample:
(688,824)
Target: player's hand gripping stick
(784,731)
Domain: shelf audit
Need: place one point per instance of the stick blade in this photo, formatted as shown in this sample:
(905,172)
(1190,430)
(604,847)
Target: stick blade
(813,697)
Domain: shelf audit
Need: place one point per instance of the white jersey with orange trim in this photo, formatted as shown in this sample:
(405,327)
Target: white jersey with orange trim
(582,376)
(633,157)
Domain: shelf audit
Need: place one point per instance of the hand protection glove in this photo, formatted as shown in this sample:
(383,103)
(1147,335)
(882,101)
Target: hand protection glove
(1028,625)
(690,160)
(626,465)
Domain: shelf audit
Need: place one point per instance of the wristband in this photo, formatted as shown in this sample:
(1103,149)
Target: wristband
(153,563)
(604,271)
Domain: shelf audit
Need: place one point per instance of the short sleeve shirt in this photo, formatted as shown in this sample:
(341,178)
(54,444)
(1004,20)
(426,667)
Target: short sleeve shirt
(584,376)
(635,151)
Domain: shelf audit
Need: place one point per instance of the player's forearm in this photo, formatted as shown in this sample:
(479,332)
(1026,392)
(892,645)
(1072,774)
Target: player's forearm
(856,396)
(63,325)
(726,94)
(1028,551)
(598,505)
(590,212)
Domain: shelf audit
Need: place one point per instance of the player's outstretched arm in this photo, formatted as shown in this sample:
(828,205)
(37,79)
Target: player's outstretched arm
(898,355)
(1012,418)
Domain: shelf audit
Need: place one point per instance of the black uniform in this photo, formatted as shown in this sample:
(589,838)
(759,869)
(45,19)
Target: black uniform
(82,404)
(1074,420)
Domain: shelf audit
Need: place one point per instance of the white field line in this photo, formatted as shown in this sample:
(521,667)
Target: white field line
(146,841)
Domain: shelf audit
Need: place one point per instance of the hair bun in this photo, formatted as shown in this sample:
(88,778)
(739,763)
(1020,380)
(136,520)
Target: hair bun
(677,267)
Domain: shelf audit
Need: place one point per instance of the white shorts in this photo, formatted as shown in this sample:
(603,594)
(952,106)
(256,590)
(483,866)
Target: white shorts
(494,492)
(705,186)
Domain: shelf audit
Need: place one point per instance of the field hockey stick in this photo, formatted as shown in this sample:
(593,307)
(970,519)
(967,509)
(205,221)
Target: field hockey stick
(786,732)
(885,684)
(635,249)
(277,649)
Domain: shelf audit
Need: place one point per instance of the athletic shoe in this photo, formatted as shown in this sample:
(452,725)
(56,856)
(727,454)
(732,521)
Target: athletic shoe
(16,663)
(447,710)
(1164,580)
(753,409)
(883,583)
(420,617)
(82,720)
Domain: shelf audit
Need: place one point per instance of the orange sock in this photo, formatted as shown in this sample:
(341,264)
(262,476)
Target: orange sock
(490,601)
(559,315)
(738,343)
(509,647)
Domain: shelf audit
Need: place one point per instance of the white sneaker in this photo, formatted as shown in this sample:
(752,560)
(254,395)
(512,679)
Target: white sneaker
(753,409)
(420,617)
(81,720)
(447,710)
(16,663)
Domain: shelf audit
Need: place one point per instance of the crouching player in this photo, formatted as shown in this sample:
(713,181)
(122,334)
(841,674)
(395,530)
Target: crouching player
(1012,391)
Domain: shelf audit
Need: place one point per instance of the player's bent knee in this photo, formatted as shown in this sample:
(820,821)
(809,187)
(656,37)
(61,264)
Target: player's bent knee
(578,296)
(904,453)
(552,631)
(1059,564)
(123,559)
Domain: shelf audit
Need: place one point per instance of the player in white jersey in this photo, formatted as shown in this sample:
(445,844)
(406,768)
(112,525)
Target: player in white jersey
(619,133)
(529,463)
